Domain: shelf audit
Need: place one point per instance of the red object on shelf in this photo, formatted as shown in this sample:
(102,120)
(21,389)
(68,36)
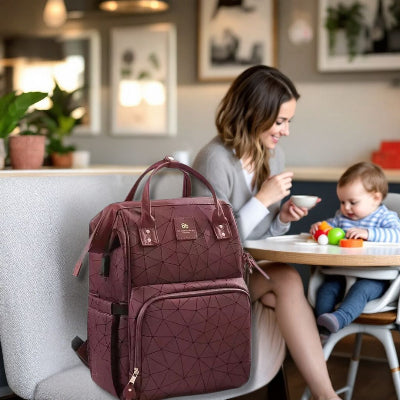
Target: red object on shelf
(390,146)
(388,156)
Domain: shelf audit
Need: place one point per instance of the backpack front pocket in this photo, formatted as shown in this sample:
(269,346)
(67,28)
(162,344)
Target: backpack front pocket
(191,338)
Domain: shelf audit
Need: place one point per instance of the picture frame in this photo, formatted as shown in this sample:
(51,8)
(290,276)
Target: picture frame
(376,49)
(143,80)
(87,45)
(235,35)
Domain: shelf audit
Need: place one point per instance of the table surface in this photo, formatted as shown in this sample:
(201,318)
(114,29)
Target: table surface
(303,249)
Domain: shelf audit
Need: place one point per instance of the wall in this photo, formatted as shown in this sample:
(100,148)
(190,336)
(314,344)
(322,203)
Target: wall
(341,117)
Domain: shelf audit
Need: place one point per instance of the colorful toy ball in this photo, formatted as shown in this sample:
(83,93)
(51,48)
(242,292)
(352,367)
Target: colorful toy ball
(324,226)
(335,235)
(323,229)
(322,239)
(319,233)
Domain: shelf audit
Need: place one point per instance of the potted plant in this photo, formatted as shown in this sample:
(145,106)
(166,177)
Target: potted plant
(25,151)
(348,18)
(58,123)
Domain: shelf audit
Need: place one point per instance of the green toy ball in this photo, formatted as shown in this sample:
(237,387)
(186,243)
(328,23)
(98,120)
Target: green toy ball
(335,235)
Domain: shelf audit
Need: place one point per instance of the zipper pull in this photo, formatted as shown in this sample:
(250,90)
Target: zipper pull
(250,263)
(129,392)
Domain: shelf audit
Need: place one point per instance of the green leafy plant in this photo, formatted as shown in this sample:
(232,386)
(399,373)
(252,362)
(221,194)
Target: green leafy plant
(348,17)
(58,121)
(14,108)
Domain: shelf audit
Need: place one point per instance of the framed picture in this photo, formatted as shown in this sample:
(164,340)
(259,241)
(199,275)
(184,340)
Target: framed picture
(234,35)
(143,80)
(83,51)
(371,43)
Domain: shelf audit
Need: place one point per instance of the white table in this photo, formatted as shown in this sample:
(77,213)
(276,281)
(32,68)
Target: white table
(302,249)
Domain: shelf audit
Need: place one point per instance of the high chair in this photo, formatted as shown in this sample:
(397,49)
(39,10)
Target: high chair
(379,318)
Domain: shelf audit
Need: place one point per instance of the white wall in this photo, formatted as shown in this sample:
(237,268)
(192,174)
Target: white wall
(335,124)
(339,124)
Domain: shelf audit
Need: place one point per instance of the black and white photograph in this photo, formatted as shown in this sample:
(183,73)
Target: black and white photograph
(233,35)
(359,35)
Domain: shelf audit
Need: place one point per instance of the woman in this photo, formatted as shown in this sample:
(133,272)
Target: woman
(245,167)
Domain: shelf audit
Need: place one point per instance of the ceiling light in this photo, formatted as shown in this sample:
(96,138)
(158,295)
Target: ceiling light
(134,6)
(55,13)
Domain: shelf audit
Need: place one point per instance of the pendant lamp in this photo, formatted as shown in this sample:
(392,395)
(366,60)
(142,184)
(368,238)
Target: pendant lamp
(55,13)
(134,6)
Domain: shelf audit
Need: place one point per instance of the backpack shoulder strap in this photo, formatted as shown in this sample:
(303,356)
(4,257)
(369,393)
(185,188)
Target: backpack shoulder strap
(100,235)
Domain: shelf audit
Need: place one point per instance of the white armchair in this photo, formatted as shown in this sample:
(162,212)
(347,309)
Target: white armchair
(43,227)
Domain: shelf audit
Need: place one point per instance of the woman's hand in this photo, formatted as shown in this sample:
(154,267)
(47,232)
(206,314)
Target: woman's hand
(290,212)
(357,233)
(275,188)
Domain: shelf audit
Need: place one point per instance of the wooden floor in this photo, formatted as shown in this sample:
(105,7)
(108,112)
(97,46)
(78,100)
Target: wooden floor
(374,381)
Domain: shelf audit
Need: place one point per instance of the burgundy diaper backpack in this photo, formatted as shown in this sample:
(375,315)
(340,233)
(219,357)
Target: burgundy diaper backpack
(169,308)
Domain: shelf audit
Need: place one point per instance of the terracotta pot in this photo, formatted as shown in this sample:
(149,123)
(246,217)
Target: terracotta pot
(26,151)
(60,160)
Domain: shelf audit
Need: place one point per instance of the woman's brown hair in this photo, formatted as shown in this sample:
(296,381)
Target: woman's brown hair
(371,175)
(249,108)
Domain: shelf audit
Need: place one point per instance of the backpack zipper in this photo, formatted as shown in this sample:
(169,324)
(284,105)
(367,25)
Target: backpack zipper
(129,392)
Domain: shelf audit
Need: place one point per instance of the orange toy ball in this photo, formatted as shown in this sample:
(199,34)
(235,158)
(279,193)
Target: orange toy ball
(351,243)
(324,226)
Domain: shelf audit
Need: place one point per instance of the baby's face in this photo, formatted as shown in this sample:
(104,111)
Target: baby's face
(355,202)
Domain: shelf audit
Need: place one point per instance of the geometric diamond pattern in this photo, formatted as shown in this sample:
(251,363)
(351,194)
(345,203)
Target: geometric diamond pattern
(188,323)
(188,339)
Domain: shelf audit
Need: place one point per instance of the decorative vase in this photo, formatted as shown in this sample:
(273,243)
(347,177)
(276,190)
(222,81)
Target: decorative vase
(26,151)
(62,160)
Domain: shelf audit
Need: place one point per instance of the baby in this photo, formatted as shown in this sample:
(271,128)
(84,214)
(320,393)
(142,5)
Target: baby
(362,215)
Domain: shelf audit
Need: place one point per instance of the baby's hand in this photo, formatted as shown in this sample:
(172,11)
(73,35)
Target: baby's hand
(314,227)
(357,233)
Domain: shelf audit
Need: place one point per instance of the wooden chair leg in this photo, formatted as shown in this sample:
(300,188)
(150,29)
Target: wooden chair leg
(277,388)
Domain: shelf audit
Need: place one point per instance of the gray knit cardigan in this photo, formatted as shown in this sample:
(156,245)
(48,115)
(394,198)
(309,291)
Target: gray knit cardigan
(224,172)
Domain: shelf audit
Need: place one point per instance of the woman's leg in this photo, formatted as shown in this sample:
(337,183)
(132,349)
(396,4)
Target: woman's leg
(285,293)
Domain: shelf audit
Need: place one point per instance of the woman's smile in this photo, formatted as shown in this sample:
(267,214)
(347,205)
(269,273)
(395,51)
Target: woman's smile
(270,138)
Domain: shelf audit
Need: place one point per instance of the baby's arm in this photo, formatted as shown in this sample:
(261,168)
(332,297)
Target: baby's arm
(388,231)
